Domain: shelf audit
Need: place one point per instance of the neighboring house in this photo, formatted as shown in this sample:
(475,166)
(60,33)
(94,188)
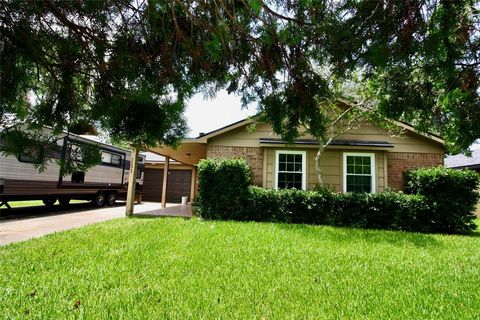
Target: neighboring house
(461,161)
(365,159)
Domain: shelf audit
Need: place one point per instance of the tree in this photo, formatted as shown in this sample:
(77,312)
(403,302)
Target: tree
(120,63)
(421,62)
(418,60)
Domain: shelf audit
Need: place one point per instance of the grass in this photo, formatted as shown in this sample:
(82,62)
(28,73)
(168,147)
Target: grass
(36,203)
(194,269)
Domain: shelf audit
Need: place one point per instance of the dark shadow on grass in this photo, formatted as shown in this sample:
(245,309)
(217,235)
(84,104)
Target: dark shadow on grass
(171,211)
(371,236)
(32,212)
(473,234)
(352,235)
(155,216)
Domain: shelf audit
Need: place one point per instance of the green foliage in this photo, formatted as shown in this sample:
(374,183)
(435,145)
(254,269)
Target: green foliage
(222,187)
(98,68)
(422,68)
(443,201)
(79,157)
(290,205)
(383,210)
(451,195)
(116,62)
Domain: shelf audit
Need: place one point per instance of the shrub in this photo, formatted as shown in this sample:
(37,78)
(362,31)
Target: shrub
(261,205)
(442,200)
(451,195)
(298,206)
(223,187)
(384,210)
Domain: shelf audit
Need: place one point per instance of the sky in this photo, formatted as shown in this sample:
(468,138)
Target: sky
(205,115)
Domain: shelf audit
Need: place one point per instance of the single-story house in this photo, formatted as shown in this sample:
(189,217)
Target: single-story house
(461,161)
(365,159)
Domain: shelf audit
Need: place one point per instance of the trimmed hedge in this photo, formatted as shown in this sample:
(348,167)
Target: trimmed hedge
(289,205)
(383,210)
(224,193)
(386,210)
(222,187)
(451,195)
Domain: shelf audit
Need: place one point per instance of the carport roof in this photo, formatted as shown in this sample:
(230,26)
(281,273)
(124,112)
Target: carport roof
(153,157)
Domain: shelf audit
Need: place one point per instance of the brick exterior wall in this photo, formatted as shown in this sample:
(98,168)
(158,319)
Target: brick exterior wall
(253,156)
(399,162)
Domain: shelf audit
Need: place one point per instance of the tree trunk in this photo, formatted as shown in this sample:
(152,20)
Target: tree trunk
(321,148)
(132,181)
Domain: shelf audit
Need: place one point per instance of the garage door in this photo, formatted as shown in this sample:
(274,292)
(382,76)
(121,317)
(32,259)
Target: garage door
(179,182)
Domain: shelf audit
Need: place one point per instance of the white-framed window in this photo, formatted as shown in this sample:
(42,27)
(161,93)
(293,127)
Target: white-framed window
(358,172)
(290,169)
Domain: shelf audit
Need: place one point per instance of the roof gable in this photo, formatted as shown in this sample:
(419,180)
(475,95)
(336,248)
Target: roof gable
(204,138)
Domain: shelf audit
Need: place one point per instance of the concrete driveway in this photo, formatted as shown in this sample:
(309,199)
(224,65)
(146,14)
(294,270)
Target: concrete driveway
(24,227)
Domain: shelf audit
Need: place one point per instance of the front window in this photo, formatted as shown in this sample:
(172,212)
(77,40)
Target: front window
(291,172)
(359,172)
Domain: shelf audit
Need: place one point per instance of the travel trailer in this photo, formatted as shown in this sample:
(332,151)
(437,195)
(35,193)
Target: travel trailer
(101,184)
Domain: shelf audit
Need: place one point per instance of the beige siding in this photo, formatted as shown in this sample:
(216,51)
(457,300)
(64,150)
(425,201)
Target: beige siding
(243,137)
(332,168)
(409,142)
(332,159)
(270,154)
(330,163)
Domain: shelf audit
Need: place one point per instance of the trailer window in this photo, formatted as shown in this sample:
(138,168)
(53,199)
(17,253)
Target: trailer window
(75,153)
(26,158)
(29,155)
(116,158)
(78,177)
(111,158)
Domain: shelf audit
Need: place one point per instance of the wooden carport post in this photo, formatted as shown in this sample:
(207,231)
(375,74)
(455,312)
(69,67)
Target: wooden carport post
(132,181)
(192,184)
(165,181)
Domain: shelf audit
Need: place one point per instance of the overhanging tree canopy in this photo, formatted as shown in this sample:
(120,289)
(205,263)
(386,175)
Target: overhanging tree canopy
(129,65)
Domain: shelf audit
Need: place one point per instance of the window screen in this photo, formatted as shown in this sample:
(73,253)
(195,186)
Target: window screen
(290,170)
(359,175)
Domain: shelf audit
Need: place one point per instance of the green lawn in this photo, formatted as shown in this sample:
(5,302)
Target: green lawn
(34,203)
(194,269)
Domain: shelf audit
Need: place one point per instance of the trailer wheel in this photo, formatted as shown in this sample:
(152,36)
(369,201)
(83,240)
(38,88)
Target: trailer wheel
(111,199)
(64,201)
(49,202)
(99,200)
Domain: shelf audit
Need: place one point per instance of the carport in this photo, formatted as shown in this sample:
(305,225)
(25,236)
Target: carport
(172,174)
(179,183)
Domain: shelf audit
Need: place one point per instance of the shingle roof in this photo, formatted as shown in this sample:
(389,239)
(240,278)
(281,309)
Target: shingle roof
(462,161)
